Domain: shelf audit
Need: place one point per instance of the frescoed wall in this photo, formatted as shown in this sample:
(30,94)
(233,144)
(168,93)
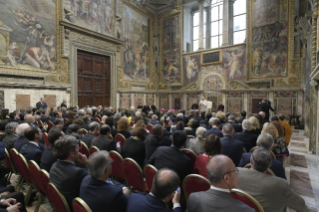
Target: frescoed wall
(234,62)
(95,15)
(265,12)
(191,68)
(28,35)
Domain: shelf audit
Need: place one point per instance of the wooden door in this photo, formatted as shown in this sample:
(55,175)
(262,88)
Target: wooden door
(93,79)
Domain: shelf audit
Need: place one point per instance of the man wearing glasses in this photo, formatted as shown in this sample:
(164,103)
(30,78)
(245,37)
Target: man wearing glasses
(222,175)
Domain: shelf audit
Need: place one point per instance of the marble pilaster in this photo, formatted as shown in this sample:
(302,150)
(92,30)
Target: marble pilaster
(201,25)
(228,25)
(208,26)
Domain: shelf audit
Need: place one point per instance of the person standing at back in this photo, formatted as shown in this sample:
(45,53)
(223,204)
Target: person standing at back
(265,108)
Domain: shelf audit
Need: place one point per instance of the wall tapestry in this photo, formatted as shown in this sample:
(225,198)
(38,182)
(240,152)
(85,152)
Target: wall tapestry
(171,50)
(28,35)
(191,68)
(95,15)
(136,47)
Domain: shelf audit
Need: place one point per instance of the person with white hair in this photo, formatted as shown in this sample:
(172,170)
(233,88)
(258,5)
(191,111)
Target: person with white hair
(63,104)
(21,139)
(132,108)
(249,138)
(265,141)
(154,120)
(197,144)
(11,135)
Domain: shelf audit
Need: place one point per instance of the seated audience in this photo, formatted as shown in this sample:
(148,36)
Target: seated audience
(64,112)
(163,190)
(231,147)
(242,117)
(215,123)
(246,136)
(222,174)
(110,121)
(11,201)
(64,174)
(45,118)
(74,130)
(266,141)
(48,158)
(123,127)
(3,129)
(273,193)
(29,119)
(171,157)
(154,120)
(193,127)
(134,147)
(11,135)
(21,139)
(221,116)
(255,128)
(197,144)
(102,141)
(139,123)
(260,119)
(232,121)
(87,121)
(94,130)
(154,140)
(178,127)
(33,150)
(212,147)
(98,191)
(71,117)
(288,131)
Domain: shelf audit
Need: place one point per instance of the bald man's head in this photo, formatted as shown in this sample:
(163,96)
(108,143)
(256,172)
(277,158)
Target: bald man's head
(217,166)
(165,182)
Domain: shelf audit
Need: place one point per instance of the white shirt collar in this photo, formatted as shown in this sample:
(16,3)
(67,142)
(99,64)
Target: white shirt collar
(219,189)
(34,143)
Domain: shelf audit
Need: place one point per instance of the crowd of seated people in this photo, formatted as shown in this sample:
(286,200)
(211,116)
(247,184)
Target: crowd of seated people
(219,140)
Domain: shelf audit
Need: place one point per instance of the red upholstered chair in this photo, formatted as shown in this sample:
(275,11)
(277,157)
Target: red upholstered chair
(65,120)
(57,199)
(110,136)
(99,117)
(34,172)
(134,175)
(46,140)
(14,157)
(93,149)
(120,138)
(9,164)
(97,134)
(84,131)
(97,120)
(80,206)
(84,149)
(40,123)
(149,173)
(247,199)
(271,152)
(190,137)
(24,168)
(269,172)
(44,178)
(117,165)
(50,124)
(192,155)
(195,183)
(149,128)
(131,124)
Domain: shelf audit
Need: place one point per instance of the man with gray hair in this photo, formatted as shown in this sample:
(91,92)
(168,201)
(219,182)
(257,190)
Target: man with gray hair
(11,135)
(273,193)
(231,147)
(266,141)
(64,112)
(97,190)
(222,175)
(215,123)
(246,135)
(94,130)
(154,120)
(29,119)
(81,113)
(21,139)
(232,120)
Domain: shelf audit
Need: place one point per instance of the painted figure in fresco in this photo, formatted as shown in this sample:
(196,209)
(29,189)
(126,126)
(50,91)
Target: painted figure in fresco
(257,60)
(234,63)
(39,57)
(266,33)
(10,57)
(192,68)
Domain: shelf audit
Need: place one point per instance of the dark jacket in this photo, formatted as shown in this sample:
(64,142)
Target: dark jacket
(48,159)
(45,118)
(265,108)
(248,138)
(9,141)
(102,196)
(87,139)
(20,142)
(171,157)
(276,166)
(32,152)
(126,134)
(152,143)
(153,122)
(104,143)
(134,149)
(148,203)
(237,128)
(41,105)
(3,154)
(232,148)
(214,131)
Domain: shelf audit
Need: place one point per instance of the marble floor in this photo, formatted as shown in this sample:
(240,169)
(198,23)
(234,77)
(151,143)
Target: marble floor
(302,170)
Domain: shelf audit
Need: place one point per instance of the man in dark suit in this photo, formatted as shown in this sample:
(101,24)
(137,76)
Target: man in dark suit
(58,124)
(221,107)
(98,191)
(64,112)
(63,104)
(194,105)
(232,121)
(171,157)
(155,140)
(197,117)
(265,108)
(146,109)
(45,118)
(87,121)
(153,107)
(103,142)
(154,120)
(41,104)
(48,158)
(246,136)
(94,130)
(11,135)
(242,117)
(215,123)
(165,184)
(266,141)
(21,139)
(231,147)
(222,174)
(64,174)
(33,150)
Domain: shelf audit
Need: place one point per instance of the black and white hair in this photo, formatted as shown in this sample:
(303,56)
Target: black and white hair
(265,140)
(98,163)
(10,127)
(261,159)
(247,125)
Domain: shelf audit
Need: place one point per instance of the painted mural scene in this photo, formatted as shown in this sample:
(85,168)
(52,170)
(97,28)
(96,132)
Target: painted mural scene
(136,46)
(95,15)
(234,63)
(269,50)
(266,11)
(28,35)
(192,68)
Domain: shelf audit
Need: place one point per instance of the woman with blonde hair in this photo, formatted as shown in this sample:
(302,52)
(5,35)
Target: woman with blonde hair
(255,126)
(221,116)
(280,147)
(123,127)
